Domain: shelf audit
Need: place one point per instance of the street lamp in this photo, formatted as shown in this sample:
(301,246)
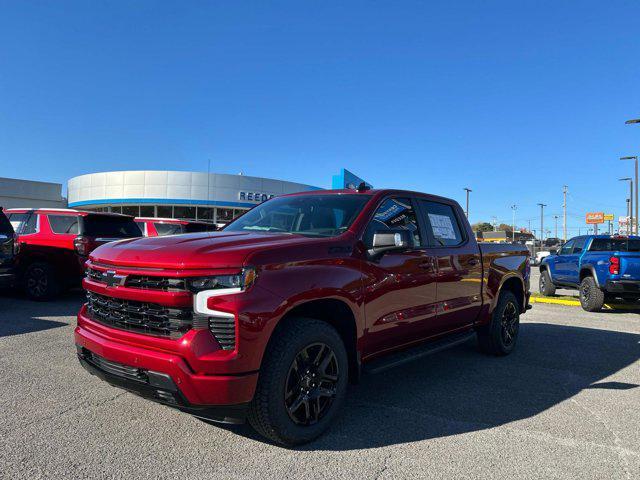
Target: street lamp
(542,205)
(630,180)
(468,190)
(513,223)
(637,219)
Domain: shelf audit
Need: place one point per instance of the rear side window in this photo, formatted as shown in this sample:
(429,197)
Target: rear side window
(197,227)
(110,226)
(393,214)
(64,224)
(24,223)
(615,245)
(443,223)
(168,228)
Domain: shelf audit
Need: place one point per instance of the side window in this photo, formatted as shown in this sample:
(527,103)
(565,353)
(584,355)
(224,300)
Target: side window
(168,228)
(578,245)
(443,223)
(27,223)
(393,214)
(65,224)
(566,248)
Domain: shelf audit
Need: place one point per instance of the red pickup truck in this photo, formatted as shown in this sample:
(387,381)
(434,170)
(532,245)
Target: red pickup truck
(271,318)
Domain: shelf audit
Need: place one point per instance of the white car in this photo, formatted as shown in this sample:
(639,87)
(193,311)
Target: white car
(540,256)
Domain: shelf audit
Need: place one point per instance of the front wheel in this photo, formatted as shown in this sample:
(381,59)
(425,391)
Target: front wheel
(302,383)
(500,336)
(591,297)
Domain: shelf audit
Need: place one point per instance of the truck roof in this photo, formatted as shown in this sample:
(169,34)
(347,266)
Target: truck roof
(369,192)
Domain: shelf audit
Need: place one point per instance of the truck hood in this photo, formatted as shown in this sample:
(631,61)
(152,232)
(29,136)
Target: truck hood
(192,251)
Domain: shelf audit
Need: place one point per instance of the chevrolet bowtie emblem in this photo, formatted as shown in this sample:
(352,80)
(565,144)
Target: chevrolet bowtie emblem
(112,279)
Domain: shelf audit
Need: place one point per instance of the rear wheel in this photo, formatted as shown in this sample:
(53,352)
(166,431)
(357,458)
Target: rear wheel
(500,336)
(547,288)
(302,383)
(591,297)
(41,282)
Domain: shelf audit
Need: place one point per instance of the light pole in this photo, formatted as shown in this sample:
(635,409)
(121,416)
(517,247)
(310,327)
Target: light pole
(564,213)
(634,229)
(631,122)
(630,180)
(541,205)
(555,217)
(514,207)
(468,190)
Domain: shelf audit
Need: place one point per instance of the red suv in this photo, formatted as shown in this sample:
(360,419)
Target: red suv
(55,243)
(159,227)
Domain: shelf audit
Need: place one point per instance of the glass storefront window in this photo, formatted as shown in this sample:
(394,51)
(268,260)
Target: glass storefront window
(224,215)
(165,211)
(186,213)
(147,211)
(116,209)
(205,213)
(131,210)
(237,213)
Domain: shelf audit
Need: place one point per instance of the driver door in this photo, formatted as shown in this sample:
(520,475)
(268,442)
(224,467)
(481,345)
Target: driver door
(561,262)
(399,286)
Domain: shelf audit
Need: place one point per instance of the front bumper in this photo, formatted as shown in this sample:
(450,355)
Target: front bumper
(623,287)
(206,395)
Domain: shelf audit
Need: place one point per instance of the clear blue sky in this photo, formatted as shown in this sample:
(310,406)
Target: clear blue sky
(511,98)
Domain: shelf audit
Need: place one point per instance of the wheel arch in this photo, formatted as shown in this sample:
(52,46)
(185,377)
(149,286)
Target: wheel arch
(336,313)
(515,285)
(588,271)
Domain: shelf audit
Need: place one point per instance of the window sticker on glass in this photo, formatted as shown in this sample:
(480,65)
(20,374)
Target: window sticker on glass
(442,226)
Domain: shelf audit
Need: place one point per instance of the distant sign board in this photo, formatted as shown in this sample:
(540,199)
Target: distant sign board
(609,217)
(595,217)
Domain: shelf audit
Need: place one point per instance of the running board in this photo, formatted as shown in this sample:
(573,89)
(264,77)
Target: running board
(414,353)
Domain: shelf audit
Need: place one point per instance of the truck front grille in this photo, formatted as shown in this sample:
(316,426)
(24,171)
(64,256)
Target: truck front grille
(114,368)
(139,317)
(145,282)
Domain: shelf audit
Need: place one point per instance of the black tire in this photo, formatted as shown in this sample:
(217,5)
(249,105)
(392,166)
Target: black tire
(272,412)
(547,288)
(500,336)
(591,297)
(40,282)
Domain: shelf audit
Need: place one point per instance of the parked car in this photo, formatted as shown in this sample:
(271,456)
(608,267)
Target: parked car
(601,267)
(8,250)
(540,256)
(158,227)
(270,318)
(55,243)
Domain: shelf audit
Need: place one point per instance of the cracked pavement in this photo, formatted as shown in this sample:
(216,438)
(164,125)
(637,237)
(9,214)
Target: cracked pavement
(564,405)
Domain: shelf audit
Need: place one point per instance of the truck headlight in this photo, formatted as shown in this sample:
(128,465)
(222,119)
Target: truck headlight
(240,281)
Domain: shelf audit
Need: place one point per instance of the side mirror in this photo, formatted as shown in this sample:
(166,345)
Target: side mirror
(389,240)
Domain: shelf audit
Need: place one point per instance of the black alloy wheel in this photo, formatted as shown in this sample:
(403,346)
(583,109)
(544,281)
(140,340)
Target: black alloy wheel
(509,323)
(311,384)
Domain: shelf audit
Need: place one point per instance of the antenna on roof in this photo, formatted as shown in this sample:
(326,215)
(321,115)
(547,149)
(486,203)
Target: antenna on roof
(363,187)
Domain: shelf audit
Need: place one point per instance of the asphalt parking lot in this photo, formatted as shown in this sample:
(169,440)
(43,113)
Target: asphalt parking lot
(564,405)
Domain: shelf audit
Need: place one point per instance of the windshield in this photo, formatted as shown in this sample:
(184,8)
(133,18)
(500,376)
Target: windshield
(311,215)
(110,226)
(615,245)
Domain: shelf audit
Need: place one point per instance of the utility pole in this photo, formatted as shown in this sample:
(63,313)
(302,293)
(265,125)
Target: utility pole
(468,190)
(637,219)
(541,205)
(564,213)
(630,229)
(630,122)
(555,217)
(514,207)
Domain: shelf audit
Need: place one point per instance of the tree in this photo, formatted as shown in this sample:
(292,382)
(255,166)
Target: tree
(482,227)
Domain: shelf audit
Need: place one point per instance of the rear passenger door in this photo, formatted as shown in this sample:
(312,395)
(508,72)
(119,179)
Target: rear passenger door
(459,266)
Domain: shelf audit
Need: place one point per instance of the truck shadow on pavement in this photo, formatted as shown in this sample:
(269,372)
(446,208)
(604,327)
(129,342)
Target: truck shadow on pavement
(461,390)
(20,315)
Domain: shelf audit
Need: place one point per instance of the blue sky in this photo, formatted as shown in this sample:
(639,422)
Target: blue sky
(513,99)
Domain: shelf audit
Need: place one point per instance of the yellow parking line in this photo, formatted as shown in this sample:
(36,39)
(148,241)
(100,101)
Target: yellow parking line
(555,301)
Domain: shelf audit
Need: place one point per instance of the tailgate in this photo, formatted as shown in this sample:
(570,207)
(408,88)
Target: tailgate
(629,265)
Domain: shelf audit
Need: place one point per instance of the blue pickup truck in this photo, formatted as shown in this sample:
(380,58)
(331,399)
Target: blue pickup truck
(601,267)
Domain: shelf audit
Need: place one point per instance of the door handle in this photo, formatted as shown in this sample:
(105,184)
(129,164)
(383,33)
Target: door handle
(473,262)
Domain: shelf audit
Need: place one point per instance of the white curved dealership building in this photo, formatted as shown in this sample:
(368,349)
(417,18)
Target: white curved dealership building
(213,197)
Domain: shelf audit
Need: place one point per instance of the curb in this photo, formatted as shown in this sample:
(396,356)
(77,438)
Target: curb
(555,301)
